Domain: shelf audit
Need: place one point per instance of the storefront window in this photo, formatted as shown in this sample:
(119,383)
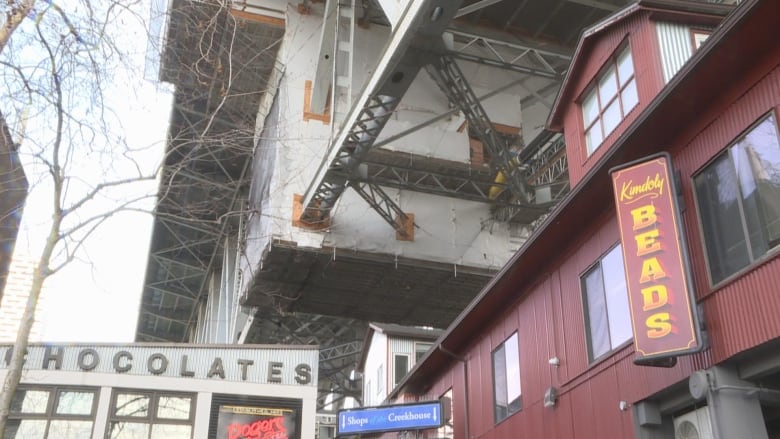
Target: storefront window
(151,415)
(51,413)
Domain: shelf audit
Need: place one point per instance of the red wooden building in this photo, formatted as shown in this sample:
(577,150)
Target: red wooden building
(548,349)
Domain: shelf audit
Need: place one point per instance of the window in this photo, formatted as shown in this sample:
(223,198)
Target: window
(151,415)
(446,431)
(420,349)
(57,413)
(400,368)
(609,100)
(506,379)
(605,298)
(699,37)
(738,199)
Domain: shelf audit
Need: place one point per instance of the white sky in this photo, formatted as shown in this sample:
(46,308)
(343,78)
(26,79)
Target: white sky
(96,299)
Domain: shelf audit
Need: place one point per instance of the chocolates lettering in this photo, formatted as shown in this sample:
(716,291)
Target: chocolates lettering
(123,361)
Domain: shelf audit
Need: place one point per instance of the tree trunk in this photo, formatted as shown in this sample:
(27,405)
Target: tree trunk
(13,19)
(14,372)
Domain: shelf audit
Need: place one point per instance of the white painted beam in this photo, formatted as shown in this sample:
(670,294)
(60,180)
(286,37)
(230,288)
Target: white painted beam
(475,7)
(324,73)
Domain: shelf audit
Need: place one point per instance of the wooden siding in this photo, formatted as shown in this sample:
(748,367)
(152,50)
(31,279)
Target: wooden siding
(546,309)
(640,34)
(740,306)
(549,316)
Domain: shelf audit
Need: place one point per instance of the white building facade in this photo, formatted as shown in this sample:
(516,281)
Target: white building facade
(164,391)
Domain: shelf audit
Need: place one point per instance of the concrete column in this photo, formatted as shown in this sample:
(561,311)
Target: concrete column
(735,410)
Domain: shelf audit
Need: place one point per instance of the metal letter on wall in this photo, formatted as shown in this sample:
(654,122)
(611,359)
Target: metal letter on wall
(658,276)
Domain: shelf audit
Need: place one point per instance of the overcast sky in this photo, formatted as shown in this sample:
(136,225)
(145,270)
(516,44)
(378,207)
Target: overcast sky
(96,298)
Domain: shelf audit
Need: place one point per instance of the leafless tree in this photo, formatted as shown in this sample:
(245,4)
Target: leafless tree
(56,66)
(59,68)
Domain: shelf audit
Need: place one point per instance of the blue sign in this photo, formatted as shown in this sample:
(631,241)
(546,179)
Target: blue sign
(389,418)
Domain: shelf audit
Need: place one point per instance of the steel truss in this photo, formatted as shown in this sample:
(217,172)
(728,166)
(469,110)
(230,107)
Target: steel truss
(450,79)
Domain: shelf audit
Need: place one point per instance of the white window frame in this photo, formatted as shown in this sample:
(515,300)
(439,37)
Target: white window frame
(602,99)
(603,285)
(507,389)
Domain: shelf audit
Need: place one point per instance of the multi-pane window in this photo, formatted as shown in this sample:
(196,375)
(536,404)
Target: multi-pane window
(51,412)
(400,368)
(506,379)
(151,415)
(609,100)
(738,197)
(608,321)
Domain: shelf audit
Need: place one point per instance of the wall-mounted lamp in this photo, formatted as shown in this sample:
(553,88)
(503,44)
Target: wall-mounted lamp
(623,406)
(550,397)
(554,361)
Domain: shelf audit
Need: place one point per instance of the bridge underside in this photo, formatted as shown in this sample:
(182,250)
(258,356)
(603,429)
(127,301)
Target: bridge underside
(326,296)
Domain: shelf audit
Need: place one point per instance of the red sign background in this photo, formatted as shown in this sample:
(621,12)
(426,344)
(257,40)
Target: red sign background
(654,258)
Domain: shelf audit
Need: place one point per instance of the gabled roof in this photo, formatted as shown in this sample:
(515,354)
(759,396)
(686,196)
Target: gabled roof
(740,40)
(416,333)
(695,12)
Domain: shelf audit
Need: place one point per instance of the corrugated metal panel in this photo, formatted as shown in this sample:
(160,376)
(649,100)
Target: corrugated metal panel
(674,44)
(401,346)
(741,314)
(170,361)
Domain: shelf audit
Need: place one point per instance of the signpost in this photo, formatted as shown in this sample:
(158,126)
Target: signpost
(658,277)
(416,416)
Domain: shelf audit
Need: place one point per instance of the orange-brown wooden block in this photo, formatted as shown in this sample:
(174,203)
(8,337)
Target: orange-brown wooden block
(307,113)
(407,225)
(298,211)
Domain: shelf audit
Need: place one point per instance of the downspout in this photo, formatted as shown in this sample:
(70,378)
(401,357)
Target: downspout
(465,386)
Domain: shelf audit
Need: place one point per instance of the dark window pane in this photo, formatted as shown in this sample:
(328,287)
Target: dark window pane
(75,403)
(598,325)
(716,191)
(174,407)
(513,390)
(130,404)
(611,117)
(625,66)
(629,97)
(30,401)
(129,430)
(757,160)
(163,431)
(62,429)
(590,108)
(420,349)
(506,379)
(25,429)
(608,85)
(619,315)
(401,368)
(499,384)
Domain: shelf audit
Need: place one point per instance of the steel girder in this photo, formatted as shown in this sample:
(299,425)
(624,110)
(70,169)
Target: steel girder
(450,79)
(347,164)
